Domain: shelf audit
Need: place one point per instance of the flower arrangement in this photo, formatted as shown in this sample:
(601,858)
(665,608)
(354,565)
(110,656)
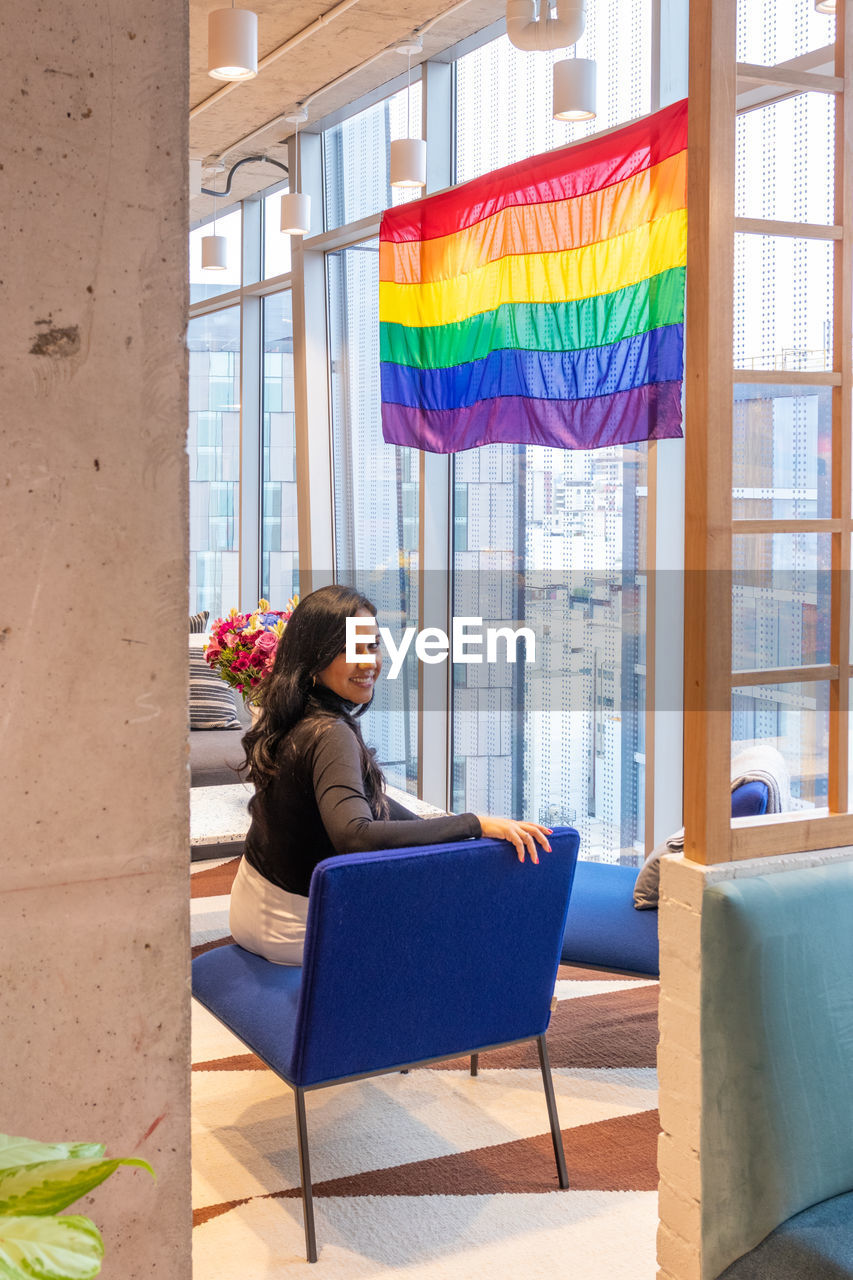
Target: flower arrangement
(243,646)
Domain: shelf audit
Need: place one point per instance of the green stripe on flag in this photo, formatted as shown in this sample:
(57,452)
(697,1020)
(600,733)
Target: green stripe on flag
(540,326)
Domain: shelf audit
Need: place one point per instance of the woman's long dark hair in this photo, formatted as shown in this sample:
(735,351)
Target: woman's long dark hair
(313,638)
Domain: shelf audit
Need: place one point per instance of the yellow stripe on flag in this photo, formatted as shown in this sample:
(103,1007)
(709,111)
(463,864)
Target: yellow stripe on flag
(563,276)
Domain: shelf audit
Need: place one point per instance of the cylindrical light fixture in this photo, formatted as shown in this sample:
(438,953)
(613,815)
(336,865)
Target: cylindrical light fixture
(574,89)
(407,155)
(295,205)
(232,44)
(825,6)
(214,253)
(295,213)
(408,162)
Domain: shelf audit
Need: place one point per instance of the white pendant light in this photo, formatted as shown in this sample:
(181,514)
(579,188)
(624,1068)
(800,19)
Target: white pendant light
(574,89)
(214,253)
(825,6)
(408,162)
(232,44)
(295,213)
(295,205)
(214,248)
(408,155)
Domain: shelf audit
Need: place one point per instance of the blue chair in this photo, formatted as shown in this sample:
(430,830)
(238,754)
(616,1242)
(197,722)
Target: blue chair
(604,929)
(411,956)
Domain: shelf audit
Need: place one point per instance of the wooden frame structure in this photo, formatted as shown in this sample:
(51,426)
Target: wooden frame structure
(715,79)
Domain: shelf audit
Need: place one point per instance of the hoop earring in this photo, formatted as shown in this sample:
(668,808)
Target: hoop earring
(313,682)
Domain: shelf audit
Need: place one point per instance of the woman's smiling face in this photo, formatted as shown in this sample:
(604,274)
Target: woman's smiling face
(354,681)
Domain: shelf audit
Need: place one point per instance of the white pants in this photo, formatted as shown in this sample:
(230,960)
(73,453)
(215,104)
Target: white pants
(265,919)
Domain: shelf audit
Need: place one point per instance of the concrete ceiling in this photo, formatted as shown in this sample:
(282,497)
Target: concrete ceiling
(360,33)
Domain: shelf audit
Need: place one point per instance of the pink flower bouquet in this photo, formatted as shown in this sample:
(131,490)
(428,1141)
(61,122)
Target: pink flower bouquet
(243,646)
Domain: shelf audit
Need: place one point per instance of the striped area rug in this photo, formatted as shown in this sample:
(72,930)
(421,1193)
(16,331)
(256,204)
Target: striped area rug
(433,1175)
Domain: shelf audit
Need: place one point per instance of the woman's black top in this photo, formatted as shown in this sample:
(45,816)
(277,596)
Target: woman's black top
(316,807)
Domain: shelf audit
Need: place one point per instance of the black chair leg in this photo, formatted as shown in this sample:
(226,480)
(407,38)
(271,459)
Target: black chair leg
(305,1175)
(556,1135)
(475,1063)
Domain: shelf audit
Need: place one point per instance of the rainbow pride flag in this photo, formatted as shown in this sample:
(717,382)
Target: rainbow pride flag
(543,303)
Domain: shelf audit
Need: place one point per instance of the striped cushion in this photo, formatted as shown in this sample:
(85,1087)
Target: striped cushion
(198,622)
(211,701)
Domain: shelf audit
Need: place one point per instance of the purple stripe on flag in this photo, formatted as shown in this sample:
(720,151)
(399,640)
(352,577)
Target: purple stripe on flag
(643,413)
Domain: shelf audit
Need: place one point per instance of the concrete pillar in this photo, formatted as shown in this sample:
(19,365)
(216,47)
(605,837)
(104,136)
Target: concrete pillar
(94,1005)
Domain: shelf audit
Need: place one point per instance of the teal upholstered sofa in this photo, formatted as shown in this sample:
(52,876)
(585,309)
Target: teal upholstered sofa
(777,1076)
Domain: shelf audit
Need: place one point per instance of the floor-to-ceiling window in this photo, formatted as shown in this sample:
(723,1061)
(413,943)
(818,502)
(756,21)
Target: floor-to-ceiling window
(781,455)
(552,538)
(213,444)
(279,538)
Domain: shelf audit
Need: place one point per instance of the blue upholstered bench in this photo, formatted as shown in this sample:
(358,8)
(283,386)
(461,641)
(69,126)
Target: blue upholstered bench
(604,929)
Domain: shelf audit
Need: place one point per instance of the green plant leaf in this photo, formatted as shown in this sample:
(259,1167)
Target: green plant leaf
(68,1248)
(17,1151)
(51,1185)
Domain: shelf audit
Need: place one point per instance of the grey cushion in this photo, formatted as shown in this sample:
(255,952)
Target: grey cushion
(212,704)
(647,884)
(198,622)
(214,757)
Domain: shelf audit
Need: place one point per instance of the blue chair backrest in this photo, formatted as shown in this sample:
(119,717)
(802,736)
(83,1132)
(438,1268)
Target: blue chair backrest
(413,954)
(750,800)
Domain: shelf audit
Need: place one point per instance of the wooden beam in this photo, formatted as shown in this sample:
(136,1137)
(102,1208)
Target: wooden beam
(752,73)
(789,377)
(708,432)
(740,527)
(842,453)
(779,833)
(783,675)
(796,230)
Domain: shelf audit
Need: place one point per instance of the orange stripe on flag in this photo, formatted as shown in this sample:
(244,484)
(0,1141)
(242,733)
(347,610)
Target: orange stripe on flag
(541,228)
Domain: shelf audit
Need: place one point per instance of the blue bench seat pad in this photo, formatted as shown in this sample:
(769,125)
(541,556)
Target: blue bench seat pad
(603,928)
(377,922)
(816,1244)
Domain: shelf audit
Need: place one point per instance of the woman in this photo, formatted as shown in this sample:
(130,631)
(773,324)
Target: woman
(318,789)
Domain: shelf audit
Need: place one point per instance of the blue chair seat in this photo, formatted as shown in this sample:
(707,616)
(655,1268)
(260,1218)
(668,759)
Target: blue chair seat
(256,1000)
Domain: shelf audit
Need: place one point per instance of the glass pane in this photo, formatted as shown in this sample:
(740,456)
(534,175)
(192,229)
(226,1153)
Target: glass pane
(548,539)
(209,284)
(771,31)
(213,445)
(783,303)
(279,538)
(376,499)
(780,600)
(793,718)
(499,83)
(782,452)
(276,244)
(785,167)
(356,158)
